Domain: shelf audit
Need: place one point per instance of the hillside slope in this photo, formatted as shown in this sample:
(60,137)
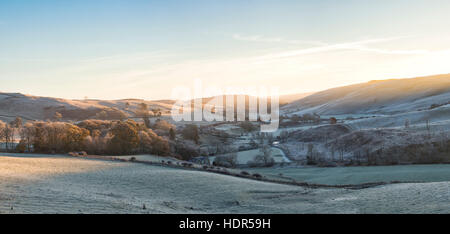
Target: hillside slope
(377,97)
(41,108)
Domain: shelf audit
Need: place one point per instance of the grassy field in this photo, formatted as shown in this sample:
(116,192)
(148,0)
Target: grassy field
(359,175)
(58,184)
(244,157)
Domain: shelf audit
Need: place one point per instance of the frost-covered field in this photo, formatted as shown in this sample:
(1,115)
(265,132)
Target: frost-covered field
(43,184)
(244,157)
(360,175)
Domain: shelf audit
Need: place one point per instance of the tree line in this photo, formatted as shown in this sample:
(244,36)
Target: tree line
(101,137)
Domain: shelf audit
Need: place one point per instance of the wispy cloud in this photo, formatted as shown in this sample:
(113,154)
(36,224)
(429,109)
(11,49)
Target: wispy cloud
(257,38)
(392,52)
(153,74)
(128,58)
(356,45)
(140,68)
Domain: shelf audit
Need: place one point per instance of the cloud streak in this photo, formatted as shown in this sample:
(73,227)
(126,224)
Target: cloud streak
(357,45)
(151,66)
(152,75)
(258,38)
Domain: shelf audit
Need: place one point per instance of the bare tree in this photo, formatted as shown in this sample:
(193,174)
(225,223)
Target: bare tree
(57,116)
(428,127)
(8,133)
(284,136)
(407,124)
(2,131)
(264,158)
(332,152)
(144,113)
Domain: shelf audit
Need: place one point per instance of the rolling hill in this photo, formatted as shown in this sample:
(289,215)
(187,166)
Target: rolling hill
(388,97)
(382,97)
(31,107)
(41,108)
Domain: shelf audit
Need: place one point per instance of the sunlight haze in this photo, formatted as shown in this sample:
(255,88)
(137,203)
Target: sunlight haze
(114,49)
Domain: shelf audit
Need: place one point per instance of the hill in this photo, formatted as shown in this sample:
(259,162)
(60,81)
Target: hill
(41,108)
(391,96)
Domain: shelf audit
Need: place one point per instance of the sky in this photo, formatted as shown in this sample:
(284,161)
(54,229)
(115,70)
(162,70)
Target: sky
(114,49)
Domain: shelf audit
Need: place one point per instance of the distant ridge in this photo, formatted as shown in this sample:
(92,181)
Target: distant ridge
(377,97)
(31,107)
(374,97)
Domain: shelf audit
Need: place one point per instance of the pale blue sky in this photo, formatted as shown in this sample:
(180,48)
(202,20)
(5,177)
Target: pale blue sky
(141,49)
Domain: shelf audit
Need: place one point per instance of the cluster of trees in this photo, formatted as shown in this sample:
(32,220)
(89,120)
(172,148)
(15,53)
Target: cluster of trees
(143,111)
(434,106)
(263,159)
(110,114)
(100,137)
(51,137)
(248,126)
(92,136)
(360,151)
(8,132)
(418,153)
(191,132)
(286,121)
(128,137)
(229,160)
(306,118)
